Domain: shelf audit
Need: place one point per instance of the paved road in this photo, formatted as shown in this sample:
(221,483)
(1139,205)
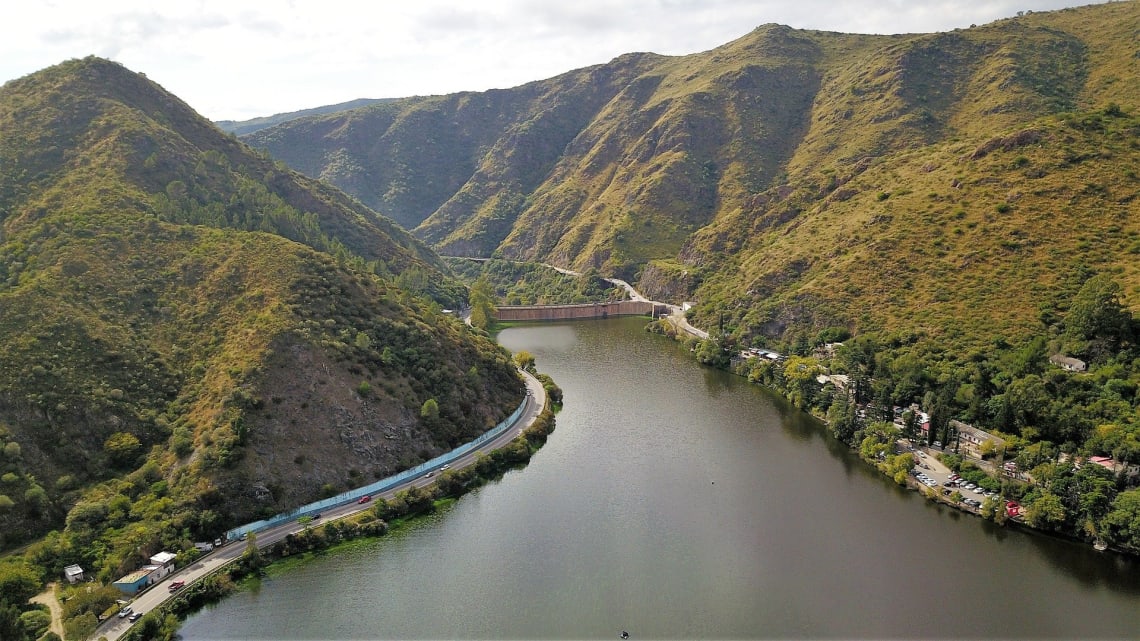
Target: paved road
(158,593)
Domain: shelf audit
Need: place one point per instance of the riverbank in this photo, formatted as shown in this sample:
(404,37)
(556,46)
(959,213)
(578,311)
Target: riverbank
(385,516)
(992,508)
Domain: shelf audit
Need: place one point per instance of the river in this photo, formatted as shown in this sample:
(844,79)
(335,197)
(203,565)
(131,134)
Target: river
(675,501)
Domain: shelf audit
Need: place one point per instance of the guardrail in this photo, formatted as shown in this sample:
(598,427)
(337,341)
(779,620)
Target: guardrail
(381,485)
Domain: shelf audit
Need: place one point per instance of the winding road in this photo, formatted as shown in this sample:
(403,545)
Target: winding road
(157,594)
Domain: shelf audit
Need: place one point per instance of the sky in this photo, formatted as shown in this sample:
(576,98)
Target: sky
(240,59)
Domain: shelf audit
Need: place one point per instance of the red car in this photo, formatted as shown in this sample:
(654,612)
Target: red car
(177,585)
(364,499)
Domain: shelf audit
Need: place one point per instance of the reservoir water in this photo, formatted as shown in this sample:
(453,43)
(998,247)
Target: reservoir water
(678,502)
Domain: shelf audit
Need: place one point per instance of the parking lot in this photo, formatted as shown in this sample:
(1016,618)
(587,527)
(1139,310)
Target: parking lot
(929,471)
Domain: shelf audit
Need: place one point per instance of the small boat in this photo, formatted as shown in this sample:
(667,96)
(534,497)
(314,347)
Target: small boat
(1099,545)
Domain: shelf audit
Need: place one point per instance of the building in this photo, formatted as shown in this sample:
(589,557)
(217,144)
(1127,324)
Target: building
(973,438)
(133,582)
(1114,466)
(840,381)
(163,564)
(1068,362)
(73,574)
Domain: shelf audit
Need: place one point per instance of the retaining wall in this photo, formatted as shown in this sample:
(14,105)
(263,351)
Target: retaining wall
(381,485)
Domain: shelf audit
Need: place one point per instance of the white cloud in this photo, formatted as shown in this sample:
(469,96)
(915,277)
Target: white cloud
(245,58)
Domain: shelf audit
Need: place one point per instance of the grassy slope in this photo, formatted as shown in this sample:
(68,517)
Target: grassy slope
(209,356)
(981,197)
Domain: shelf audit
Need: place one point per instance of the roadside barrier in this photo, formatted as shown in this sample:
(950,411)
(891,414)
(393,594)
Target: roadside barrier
(381,485)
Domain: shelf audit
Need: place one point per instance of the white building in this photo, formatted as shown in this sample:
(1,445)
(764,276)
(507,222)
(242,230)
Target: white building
(73,574)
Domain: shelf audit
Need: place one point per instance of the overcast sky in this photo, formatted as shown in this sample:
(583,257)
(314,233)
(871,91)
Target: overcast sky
(239,59)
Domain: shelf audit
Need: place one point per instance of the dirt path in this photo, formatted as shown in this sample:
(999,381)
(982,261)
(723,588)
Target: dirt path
(47,597)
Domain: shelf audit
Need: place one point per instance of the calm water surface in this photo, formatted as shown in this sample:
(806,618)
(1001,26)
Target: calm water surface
(674,501)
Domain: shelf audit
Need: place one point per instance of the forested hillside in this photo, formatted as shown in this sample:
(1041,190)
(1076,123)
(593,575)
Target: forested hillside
(192,336)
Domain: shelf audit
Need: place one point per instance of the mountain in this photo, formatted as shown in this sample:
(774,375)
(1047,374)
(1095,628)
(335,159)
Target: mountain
(192,335)
(790,180)
(242,127)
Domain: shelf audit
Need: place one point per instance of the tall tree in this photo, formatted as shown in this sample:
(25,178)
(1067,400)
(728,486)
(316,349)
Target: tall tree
(482,300)
(1098,324)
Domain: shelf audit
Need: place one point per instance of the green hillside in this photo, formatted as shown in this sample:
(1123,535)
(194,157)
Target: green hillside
(744,177)
(192,336)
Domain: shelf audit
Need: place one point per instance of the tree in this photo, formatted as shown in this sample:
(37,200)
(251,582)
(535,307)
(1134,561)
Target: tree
(122,447)
(1098,324)
(525,361)
(1121,526)
(18,582)
(430,409)
(481,297)
(252,554)
(800,373)
(362,341)
(10,626)
(35,623)
(711,351)
(12,451)
(1046,512)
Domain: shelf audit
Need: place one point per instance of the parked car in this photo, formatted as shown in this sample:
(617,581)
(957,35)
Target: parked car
(125,612)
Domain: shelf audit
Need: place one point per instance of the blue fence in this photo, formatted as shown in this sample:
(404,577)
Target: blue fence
(381,485)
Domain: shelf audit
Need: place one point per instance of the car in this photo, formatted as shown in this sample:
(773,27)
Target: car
(364,499)
(445,468)
(134,617)
(945,492)
(922,454)
(176,585)
(938,444)
(125,612)
(969,486)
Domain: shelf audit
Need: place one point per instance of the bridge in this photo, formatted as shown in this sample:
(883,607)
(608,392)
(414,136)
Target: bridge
(580,311)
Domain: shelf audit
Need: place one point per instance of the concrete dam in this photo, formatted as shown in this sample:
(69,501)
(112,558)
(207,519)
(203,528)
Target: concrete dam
(585,310)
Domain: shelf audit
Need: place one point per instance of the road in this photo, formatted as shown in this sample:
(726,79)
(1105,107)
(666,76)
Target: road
(157,594)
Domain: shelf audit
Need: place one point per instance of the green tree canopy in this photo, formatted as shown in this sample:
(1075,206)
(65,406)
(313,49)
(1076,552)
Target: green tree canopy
(482,300)
(1098,324)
